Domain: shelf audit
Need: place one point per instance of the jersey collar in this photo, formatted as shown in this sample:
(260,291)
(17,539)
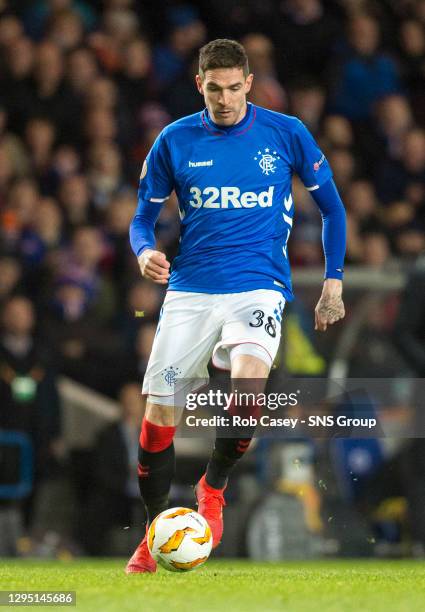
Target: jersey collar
(234,130)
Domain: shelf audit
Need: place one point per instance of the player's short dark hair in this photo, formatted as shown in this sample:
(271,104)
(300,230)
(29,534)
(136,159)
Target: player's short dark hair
(223,53)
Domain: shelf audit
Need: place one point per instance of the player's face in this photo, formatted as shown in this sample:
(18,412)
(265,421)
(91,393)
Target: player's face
(224,91)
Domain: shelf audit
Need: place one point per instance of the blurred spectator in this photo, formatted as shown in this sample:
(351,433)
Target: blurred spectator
(84,348)
(152,119)
(409,337)
(13,147)
(81,266)
(344,166)
(142,304)
(21,206)
(101,126)
(118,217)
(10,277)
(337,133)
(10,29)
(394,118)
(81,70)
(65,162)
(362,204)
(49,94)
(181,99)
(397,179)
(307,100)
(105,172)
(133,363)
(6,173)
(41,12)
(366,74)
(114,492)
(101,93)
(267,92)
(398,214)
(15,81)
(363,221)
(410,241)
(74,197)
(40,138)
(66,29)
(135,77)
(187,34)
(266,89)
(412,46)
(44,234)
(410,326)
(375,250)
(119,26)
(305,35)
(260,51)
(107,117)
(30,402)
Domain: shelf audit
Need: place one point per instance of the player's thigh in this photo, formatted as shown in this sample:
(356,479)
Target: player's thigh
(186,334)
(252,318)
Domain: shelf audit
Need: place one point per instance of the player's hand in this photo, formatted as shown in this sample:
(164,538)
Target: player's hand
(330,307)
(154,265)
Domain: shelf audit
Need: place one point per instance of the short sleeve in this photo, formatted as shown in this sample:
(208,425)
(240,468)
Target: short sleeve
(156,178)
(309,162)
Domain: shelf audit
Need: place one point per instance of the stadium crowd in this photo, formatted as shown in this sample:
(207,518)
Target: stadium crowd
(85,88)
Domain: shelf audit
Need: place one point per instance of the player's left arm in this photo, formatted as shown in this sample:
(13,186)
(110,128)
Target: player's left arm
(330,307)
(312,166)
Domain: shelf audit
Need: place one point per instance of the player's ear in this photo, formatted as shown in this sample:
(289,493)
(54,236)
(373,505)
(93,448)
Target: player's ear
(199,84)
(248,82)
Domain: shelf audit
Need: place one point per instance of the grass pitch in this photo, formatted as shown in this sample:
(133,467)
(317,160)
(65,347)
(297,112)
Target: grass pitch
(228,586)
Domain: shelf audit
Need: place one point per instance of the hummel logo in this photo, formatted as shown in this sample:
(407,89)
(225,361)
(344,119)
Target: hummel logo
(201,163)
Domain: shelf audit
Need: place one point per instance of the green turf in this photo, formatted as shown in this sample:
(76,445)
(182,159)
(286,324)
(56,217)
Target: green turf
(229,586)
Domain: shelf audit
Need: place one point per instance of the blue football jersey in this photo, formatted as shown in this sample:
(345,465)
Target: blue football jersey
(234,191)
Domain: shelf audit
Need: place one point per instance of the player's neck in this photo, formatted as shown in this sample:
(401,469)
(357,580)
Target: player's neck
(241,119)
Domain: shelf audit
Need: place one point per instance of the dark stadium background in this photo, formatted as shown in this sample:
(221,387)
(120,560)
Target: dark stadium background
(85,87)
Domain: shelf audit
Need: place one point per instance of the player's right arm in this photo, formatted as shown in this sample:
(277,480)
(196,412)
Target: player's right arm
(156,184)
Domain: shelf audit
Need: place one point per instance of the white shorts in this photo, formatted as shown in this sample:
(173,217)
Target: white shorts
(193,327)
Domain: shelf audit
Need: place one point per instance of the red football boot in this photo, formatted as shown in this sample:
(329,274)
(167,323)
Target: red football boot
(141,561)
(210,506)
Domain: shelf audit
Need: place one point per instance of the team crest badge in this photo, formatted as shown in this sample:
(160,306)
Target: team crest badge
(170,375)
(267,160)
